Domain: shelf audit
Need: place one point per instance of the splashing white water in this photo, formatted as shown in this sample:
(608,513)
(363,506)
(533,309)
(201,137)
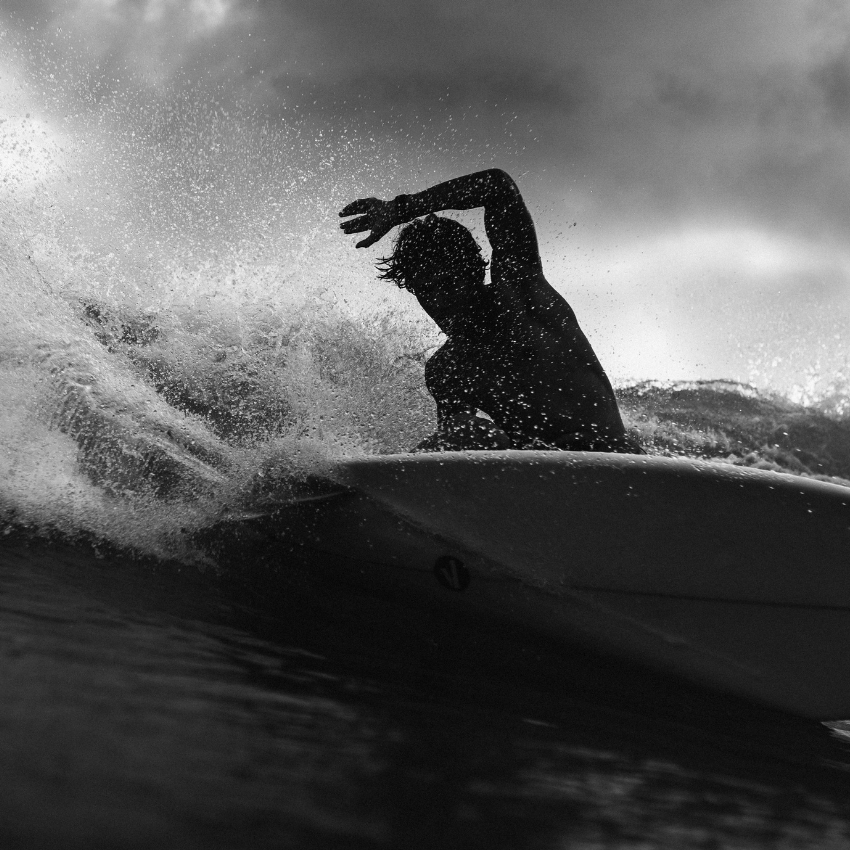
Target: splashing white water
(180,311)
(178,314)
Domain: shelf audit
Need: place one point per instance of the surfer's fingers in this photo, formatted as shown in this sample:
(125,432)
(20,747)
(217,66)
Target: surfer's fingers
(363,205)
(356,225)
(369,240)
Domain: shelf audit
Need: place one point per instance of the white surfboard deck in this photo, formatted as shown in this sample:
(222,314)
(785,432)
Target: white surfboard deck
(732,577)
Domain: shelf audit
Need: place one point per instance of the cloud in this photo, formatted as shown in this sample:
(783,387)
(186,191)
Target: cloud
(637,119)
(149,43)
(488,83)
(692,99)
(28,11)
(832,80)
(652,112)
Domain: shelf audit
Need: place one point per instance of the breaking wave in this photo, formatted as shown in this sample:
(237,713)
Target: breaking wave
(184,333)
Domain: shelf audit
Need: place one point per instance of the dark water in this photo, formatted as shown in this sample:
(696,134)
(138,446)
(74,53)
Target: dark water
(149,706)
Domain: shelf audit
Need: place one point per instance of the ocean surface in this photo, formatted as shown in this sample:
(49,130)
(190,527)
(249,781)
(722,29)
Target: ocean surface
(176,347)
(145,705)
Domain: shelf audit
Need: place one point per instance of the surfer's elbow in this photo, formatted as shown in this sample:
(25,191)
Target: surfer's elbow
(500,182)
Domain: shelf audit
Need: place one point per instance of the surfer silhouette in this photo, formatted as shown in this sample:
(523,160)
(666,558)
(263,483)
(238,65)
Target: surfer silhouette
(514,349)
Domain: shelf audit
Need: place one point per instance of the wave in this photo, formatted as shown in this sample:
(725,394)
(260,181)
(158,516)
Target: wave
(741,424)
(138,426)
(181,336)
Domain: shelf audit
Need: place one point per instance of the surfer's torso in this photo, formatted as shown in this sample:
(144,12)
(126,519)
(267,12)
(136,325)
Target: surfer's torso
(528,366)
(515,350)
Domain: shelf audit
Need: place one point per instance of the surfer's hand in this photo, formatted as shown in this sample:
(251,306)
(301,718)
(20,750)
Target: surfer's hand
(374,214)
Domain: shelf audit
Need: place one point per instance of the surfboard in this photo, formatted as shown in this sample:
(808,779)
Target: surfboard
(735,578)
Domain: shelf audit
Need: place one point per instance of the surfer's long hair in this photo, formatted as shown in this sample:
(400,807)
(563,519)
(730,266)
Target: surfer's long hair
(433,243)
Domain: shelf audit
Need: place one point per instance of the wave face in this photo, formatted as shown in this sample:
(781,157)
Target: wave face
(738,423)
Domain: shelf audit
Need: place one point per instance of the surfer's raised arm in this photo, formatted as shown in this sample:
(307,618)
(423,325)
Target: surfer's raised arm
(514,350)
(507,220)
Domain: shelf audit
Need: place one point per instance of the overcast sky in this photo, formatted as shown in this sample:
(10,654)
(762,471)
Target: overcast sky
(688,163)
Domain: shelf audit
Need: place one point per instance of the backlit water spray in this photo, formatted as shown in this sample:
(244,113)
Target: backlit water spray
(185,332)
(179,325)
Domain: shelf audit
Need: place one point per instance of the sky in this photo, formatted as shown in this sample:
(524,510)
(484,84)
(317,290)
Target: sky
(687,164)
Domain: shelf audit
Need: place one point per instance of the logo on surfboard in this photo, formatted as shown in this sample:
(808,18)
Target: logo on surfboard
(451,573)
